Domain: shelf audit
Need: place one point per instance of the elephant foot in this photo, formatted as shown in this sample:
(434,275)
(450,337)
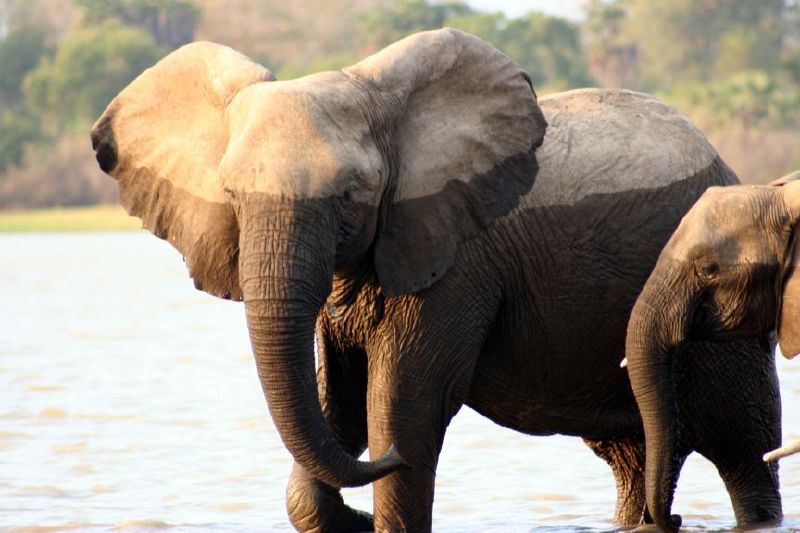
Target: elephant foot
(755,496)
(626,459)
(316,507)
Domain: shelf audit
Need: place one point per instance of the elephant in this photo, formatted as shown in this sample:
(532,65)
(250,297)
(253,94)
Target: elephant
(728,272)
(416,219)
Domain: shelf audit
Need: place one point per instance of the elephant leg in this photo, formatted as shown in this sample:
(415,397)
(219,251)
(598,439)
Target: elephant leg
(730,409)
(311,504)
(626,459)
(419,378)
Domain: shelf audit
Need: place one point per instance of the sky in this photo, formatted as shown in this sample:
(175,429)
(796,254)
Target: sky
(570,9)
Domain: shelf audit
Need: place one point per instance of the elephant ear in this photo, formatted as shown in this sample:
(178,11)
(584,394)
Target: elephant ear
(162,138)
(465,135)
(789,315)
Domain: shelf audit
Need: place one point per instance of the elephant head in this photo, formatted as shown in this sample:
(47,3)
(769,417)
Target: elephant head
(727,272)
(268,188)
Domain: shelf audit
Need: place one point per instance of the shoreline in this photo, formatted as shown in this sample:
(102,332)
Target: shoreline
(103,217)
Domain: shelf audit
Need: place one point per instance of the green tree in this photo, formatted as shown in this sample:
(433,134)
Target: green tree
(20,51)
(491,27)
(384,24)
(748,99)
(686,40)
(18,128)
(610,53)
(89,68)
(172,23)
(549,49)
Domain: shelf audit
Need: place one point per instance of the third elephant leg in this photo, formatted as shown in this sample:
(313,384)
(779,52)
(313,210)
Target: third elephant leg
(311,504)
(626,459)
(729,404)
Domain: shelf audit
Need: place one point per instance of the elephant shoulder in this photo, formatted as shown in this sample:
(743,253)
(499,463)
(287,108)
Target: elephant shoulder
(605,141)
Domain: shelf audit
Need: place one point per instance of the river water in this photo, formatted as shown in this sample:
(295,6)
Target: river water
(129,400)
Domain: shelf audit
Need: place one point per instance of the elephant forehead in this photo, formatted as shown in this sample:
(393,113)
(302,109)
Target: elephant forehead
(288,141)
(724,222)
(611,141)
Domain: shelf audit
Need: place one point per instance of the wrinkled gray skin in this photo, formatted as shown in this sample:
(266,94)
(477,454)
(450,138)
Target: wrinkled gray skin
(728,272)
(391,208)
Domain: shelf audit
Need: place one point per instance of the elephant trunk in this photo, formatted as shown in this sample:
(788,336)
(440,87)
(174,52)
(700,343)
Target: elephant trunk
(655,331)
(286,269)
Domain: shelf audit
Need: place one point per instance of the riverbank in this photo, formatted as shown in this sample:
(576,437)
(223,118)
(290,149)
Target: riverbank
(92,218)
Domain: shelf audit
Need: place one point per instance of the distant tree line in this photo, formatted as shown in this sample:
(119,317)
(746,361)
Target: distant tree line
(733,65)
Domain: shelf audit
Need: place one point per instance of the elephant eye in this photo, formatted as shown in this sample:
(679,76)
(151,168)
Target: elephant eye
(709,270)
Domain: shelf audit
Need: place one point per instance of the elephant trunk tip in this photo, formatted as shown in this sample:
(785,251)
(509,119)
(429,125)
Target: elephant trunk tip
(393,460)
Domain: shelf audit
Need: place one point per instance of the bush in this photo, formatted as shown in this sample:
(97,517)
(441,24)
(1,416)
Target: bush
(65,174)
(90,67)
(18,127)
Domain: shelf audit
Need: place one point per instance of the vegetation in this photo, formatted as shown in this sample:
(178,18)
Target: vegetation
(95,218)
(732,65)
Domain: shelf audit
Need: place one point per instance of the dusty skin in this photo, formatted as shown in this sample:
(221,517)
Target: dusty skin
(447,247)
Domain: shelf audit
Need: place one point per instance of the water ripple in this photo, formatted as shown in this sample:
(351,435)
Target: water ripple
(130,402)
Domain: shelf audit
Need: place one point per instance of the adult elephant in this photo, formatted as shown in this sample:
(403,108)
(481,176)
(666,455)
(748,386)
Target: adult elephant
(728,272)
(390,205)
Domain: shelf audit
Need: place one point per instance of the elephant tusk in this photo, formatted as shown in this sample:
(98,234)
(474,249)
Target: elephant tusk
(623,363)
(782,452)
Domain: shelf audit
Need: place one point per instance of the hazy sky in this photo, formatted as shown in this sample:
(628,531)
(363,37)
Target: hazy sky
(570,9)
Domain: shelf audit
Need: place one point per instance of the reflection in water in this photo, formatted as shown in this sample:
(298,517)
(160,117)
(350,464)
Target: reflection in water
(129,399)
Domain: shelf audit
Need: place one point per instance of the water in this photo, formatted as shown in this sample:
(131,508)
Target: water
(130,400)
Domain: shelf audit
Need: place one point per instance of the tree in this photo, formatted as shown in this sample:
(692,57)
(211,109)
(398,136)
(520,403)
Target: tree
(55,18)
(686,40)
(491,27)
(172,23)
(286,36)
(384,24)
(18,128)
(548,48)
(748,99)
(90,67)
(20,51)
(610,53)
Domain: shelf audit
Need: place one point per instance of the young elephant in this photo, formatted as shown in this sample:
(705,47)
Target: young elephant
(392,207)
(728,272)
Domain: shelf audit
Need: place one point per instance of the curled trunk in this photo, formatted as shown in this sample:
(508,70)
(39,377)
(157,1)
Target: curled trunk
(286,268)
(655,332)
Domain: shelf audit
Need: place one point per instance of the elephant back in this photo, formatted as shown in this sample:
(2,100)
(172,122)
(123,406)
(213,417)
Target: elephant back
(608,141)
